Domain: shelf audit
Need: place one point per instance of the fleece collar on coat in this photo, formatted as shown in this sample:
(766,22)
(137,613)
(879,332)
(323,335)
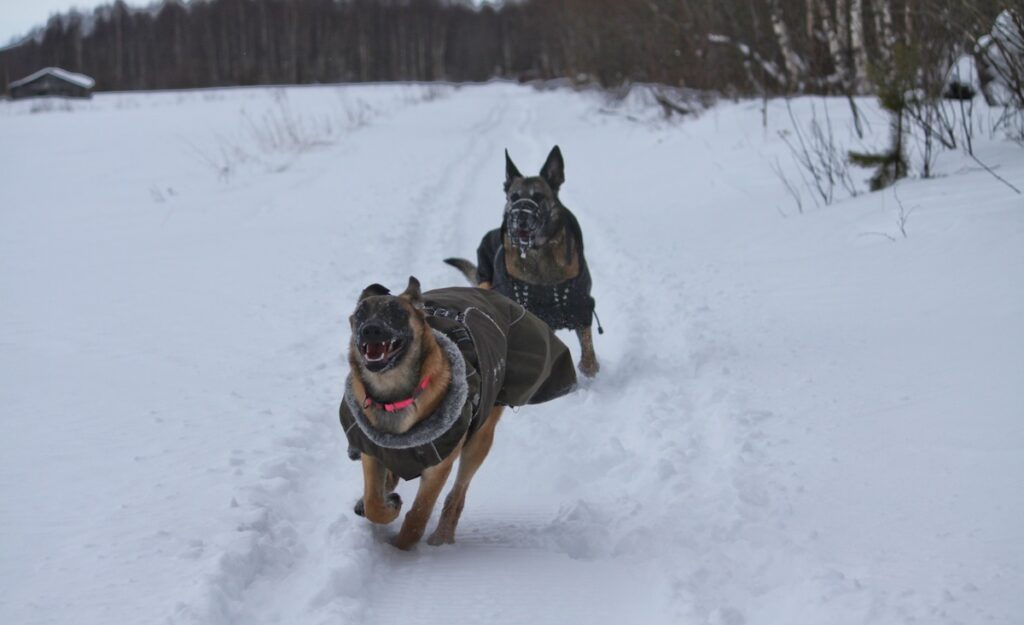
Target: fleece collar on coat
(435,425)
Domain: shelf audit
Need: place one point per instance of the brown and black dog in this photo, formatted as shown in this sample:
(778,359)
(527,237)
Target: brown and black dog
(536,256)
(430,375)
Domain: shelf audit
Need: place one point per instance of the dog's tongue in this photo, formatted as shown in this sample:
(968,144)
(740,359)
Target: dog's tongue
(375,351)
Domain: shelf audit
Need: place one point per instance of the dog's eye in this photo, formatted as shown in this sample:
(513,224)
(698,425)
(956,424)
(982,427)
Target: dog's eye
(538,197)
(514,197)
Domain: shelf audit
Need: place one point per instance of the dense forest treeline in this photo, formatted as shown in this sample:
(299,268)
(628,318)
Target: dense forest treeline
(736,46)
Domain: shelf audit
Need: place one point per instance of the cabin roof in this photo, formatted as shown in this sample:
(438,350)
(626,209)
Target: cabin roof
(76,79)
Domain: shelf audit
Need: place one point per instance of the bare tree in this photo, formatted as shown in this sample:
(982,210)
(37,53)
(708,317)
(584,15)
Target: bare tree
(858,51)
(791,61)
(739,47)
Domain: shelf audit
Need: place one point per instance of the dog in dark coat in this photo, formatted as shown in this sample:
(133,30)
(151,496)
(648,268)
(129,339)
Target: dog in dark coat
(536,256)
(430,375)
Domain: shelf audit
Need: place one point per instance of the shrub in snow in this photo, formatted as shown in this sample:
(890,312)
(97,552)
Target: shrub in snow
(1002,55)
(895,84)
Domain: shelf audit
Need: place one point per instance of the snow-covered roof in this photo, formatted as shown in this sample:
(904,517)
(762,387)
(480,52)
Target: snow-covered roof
(965,72)
(78,79)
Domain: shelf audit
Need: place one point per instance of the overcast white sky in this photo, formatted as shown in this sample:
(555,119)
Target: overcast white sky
(17,17)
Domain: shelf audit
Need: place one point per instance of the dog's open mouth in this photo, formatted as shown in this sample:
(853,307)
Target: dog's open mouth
(524,237)
(381,353)
(525,221)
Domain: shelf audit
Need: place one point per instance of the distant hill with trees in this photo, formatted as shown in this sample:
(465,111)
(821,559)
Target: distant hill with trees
(732,46)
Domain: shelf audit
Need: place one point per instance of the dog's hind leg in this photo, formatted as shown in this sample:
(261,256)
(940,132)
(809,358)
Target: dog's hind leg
(473,455)
(431,483)
(588,359)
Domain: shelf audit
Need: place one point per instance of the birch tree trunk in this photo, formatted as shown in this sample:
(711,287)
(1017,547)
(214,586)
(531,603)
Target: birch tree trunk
(883,26)
(440,43)
(843,36)
(858,52)
(884,22)
(908,22)
(791,61)
(809,12)
(835,43)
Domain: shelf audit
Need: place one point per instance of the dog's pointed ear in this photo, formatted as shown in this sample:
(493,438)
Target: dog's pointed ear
(412,292)
(373,289)
(553,171)
(511,171)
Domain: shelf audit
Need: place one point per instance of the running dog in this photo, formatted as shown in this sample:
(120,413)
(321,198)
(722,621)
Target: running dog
(536,256)
(430,375)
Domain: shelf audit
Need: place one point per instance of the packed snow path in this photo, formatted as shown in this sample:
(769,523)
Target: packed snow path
(798,419)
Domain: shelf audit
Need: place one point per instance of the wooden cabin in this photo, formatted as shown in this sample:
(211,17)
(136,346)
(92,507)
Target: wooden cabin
(52,81)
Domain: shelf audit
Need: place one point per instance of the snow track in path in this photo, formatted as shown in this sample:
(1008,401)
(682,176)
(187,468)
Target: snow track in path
(794,424)
(538,552)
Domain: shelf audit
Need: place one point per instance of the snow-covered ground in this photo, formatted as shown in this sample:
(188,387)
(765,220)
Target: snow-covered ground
(801,419)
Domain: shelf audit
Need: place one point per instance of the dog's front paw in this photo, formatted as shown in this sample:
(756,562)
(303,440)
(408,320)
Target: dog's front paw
(383,513)
(589,367)
(360,508)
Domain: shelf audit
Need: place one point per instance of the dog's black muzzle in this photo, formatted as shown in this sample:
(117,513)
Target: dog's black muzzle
(525,221)
(379,345)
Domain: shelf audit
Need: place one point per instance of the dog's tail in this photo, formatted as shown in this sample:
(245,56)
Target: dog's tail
(467,268)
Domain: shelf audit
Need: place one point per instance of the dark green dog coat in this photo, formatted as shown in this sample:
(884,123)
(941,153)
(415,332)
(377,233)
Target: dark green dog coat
(500,354)
(566,304)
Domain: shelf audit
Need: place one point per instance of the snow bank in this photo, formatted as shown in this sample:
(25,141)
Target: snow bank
(800,419)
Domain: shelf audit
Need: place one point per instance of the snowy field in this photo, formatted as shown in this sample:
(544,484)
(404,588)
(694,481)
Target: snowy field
(801,419)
